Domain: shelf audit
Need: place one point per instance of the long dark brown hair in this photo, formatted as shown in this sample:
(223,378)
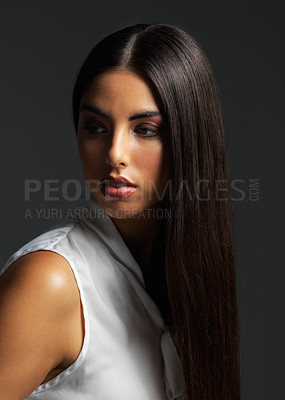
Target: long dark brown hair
(199,250)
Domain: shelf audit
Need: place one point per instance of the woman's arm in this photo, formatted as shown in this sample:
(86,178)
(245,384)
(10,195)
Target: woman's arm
(41,323)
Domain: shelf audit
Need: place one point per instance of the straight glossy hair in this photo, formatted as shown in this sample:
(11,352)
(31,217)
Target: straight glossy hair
(199,249)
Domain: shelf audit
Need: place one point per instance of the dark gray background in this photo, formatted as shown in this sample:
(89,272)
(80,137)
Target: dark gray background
(42,46)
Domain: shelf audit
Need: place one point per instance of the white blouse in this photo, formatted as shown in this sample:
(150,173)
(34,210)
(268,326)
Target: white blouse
(128,352)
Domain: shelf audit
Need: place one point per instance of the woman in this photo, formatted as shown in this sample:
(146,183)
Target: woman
(135,298)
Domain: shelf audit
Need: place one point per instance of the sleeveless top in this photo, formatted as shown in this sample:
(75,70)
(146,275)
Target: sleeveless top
(128,352)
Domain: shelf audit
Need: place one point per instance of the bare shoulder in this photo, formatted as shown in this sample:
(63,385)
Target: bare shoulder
(39,274)
(39,319)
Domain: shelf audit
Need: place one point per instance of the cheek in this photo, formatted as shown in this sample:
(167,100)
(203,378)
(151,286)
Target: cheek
(91,163)
(153,163)
(90,156)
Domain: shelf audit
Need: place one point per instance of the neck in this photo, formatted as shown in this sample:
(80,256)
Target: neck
(139,235)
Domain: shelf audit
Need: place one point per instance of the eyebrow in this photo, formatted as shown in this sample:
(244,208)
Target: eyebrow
(96,110)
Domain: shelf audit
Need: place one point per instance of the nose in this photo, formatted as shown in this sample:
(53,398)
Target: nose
(118,152)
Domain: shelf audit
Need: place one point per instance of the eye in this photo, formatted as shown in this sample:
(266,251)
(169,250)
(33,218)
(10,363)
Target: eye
(93,128)
(147,130)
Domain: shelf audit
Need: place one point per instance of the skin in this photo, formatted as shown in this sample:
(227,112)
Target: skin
(40,304)
(122,144)
(41,311)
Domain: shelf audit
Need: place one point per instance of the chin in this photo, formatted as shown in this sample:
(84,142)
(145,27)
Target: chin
(126,209)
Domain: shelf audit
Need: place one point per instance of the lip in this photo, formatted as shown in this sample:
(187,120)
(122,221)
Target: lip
(117,187)
(119,180)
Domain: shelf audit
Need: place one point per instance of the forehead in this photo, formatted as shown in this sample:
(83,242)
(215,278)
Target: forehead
(121,89)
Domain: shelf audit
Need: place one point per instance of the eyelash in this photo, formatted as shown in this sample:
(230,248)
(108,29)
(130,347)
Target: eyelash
(154,131)
(91,127)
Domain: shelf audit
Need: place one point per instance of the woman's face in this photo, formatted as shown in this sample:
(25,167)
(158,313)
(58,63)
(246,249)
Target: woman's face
(123,143)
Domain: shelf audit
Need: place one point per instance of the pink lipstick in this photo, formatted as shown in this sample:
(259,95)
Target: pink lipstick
(118,187)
